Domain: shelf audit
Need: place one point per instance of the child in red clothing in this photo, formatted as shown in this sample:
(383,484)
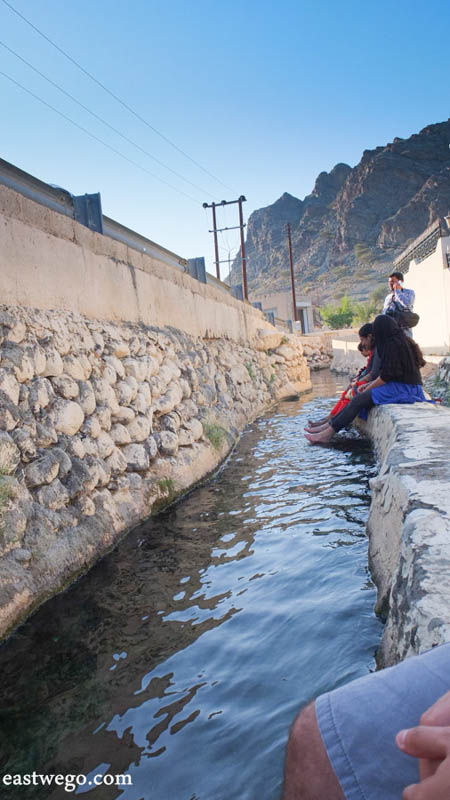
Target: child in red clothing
(361,377)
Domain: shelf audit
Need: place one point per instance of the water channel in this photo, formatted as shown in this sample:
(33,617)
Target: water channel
(183,656)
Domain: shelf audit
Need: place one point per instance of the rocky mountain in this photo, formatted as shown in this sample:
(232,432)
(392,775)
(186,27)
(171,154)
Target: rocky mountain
(346,233)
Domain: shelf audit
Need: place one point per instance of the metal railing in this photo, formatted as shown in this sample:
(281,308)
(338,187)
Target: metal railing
(423,246)
(85,209)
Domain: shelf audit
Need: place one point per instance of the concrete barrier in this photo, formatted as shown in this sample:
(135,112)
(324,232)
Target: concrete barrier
(49,261)
(409,526)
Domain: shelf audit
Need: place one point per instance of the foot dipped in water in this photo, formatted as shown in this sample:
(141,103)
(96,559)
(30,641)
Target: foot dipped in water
(321,437)
(316,428)
(318,423)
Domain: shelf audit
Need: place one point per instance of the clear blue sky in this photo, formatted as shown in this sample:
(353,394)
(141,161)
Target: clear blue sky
(263,95)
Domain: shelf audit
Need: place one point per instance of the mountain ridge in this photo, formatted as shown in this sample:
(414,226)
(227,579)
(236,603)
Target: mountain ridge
(348,230)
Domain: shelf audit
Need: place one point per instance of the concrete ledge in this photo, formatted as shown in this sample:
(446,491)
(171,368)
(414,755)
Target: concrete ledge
(346,356)
(409,526)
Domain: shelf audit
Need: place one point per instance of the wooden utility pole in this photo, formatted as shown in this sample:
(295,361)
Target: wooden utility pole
(217,230)
(243,259)
(216,244)
(291,265)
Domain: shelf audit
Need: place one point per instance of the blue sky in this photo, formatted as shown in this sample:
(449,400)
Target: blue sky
(264,96)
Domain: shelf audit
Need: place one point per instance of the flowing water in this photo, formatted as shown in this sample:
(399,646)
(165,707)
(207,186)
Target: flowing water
(183,656)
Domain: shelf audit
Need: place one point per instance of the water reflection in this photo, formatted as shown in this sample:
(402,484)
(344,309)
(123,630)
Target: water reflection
(182,656)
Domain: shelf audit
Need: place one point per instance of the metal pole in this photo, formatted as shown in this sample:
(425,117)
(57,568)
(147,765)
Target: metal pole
(216,246)
(291,265)
(244,263)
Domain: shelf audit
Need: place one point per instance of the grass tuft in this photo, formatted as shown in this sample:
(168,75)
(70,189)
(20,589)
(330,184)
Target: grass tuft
(215,433)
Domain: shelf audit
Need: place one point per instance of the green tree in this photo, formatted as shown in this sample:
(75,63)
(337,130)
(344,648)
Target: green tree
(339,315)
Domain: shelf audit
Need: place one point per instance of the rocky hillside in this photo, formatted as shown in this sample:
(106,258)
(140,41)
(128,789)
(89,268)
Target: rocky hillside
(346,233)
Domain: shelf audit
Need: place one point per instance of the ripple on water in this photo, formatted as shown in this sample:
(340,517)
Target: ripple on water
(183,656)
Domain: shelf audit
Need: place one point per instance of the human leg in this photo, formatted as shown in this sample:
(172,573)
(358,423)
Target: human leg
(348,414)
(359,721)
(308,773)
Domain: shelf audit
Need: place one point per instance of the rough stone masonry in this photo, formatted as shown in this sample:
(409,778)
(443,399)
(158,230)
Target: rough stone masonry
(101,423)
(409,527)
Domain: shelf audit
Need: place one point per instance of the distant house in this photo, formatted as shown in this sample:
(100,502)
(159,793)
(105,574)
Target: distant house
(427,262)
(280,304)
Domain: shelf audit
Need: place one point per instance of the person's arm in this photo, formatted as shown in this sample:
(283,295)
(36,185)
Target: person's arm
(375,365)
(387,302)
(372,385)
(405,298)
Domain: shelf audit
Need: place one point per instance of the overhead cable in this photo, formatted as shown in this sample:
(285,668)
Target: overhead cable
(97,138)
(108,125)
(118,99)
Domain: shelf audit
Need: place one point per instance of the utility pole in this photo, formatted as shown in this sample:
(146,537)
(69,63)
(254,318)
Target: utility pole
(243,259)
(291,265)
(215,230)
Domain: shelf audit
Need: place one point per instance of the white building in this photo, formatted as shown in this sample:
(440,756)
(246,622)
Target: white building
(427,262)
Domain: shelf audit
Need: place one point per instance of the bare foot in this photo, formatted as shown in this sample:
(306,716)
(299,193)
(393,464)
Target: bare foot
(316,428)
(322,436)
(314,424)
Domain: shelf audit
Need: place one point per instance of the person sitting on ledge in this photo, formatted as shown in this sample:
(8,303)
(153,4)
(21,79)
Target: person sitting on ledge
(366,374)
(343,745)
(399,380)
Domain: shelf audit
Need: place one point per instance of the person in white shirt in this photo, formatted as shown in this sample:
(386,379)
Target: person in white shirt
(398,297)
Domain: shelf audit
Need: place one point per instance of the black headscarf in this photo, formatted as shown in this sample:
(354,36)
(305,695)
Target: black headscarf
(400,356)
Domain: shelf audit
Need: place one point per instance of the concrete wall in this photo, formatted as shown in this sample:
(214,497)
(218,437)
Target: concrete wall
(346,356)
(430,279)
(48,261)
(409,526)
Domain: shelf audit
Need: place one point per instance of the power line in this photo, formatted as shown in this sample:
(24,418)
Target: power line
(279,239)
(118,99)
(97,138)
(96,116)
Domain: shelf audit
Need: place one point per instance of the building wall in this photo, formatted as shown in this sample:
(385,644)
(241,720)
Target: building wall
(430,280)
(281,305)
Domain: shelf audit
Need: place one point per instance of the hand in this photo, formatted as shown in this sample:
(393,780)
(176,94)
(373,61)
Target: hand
(438,713)
(363,387)
(431,744)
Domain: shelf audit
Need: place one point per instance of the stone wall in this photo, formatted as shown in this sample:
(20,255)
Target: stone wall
(409,526)
(318,350)
(439,386)
(102,423)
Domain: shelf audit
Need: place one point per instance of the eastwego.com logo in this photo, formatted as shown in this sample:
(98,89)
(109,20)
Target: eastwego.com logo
(69,782)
